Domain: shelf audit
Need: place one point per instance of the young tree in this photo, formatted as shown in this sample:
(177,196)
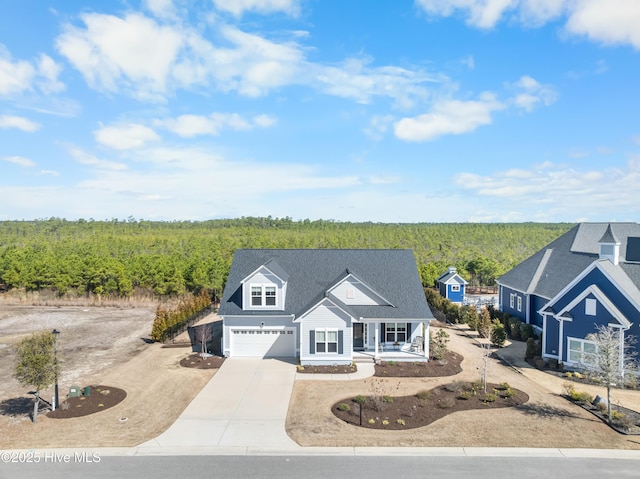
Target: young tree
(203,335)
(36,364)
(611,358)
(484,330)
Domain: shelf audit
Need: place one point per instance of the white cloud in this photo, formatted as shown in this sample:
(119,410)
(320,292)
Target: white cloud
(551,191)
(125,136)
(449,117)
(112,52)
(238,7)
(378,126)
(265,121)
(19,160)
(85,158)
(49,71)
(161,8)
(189,126)
(607,21)
(530,93)
(21,123)
(603,21)
(19,76)
(48,173)
(355,79)
(480,13)
(15,77)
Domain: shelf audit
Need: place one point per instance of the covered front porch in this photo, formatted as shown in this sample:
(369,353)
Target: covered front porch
(391,340)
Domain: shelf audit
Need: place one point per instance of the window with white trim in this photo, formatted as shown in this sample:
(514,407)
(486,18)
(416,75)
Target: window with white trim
(590,307)
(263,295)
(326,340)
(581,351)
(455,288)
(519,303)
(512,299)
(396,332)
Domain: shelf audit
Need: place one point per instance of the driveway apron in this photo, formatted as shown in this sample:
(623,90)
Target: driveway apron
(244,405)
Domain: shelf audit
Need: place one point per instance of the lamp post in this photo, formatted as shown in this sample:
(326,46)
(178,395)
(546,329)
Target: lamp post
(56,333)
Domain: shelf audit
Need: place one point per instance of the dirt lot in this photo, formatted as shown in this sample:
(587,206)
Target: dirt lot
(97,346)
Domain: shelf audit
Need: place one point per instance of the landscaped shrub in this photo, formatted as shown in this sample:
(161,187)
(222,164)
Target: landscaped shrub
(484,324)
(531,348)
(526,331)
(498,334)
(514,328)
(455,386)
(580,396)
(447,402)
(360,399)
(425,394)
(438,344)
(469,315)
(466,395)
(344,407)
(401,422)
(387,399)
(490,397)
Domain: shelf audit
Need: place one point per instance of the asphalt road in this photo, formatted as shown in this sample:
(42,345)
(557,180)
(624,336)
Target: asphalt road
(324,467)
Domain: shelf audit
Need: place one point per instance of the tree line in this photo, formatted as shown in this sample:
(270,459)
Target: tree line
(119,258)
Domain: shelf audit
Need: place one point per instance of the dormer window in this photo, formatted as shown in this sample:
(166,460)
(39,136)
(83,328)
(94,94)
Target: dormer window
(263,295)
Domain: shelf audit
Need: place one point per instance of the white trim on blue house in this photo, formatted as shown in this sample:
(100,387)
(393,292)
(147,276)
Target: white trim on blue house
(600,296)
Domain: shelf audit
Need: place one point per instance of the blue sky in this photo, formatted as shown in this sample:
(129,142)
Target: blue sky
(384,111)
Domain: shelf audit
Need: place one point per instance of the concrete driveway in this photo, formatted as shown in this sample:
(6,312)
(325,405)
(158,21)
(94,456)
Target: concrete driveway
(243,406)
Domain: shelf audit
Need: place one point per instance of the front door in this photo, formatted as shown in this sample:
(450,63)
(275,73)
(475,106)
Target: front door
(358,337)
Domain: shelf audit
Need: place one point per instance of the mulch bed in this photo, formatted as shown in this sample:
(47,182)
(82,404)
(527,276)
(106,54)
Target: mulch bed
(334,369)
(448,366)
(98,399)
(628,424)
(409,412)
(195,361)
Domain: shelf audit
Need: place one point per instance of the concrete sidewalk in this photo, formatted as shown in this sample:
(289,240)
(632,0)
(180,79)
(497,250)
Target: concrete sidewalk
(244,405)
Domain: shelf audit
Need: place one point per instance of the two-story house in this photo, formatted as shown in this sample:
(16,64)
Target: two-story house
(588,277)
(324,305)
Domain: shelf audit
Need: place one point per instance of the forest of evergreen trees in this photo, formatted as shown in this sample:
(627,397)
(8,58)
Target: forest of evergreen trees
(123,258)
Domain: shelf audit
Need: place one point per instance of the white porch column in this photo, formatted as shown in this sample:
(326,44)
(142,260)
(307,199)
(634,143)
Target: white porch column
(376,338)
(425,340)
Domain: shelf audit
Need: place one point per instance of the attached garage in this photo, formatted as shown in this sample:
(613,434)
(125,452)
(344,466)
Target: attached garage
(263,342)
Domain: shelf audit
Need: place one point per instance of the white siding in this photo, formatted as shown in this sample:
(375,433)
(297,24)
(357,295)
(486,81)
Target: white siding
(326,316)
(261,278)
(352,292)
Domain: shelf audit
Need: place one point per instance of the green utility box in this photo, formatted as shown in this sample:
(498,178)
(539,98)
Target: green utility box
(74,392)
(86,391)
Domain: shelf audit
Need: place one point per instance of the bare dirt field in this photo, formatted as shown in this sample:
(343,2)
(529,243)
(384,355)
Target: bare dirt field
(96,345)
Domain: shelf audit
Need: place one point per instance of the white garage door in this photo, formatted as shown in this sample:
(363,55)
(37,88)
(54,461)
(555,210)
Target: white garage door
(263,342)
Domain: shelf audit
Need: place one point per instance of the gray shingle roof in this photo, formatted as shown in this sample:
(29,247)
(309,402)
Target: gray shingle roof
(549,270)
(311,272)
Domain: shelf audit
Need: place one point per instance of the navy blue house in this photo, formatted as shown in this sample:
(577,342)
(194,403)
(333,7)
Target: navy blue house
(588,277)
(451,285)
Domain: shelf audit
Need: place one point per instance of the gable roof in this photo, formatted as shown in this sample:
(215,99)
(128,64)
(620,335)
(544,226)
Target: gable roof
(556,265)
(451,278)
(392,274)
